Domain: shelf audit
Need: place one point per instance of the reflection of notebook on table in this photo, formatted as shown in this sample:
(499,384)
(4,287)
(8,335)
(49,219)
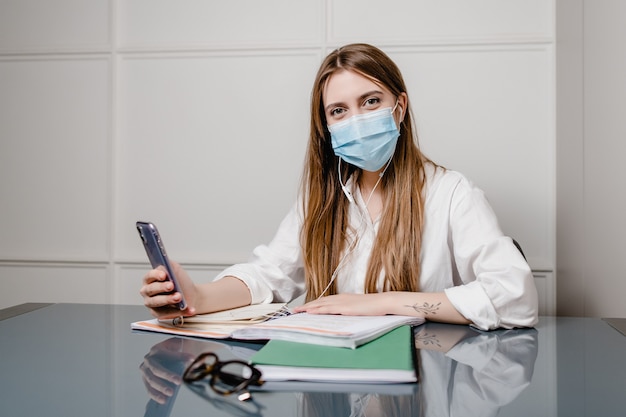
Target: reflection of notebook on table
(387,388)
(617,324)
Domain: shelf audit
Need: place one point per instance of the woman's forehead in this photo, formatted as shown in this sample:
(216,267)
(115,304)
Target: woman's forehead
(346,84)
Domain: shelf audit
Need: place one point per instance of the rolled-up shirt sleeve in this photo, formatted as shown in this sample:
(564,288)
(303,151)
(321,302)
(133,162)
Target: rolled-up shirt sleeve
(274,272)
(493,284)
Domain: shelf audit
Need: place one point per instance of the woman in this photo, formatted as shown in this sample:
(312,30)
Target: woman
(379,229)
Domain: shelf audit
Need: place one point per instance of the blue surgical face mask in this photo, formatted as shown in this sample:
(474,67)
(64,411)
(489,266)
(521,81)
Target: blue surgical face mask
(367,140)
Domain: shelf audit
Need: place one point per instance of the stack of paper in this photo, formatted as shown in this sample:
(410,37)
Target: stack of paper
(389,358)
(325,329)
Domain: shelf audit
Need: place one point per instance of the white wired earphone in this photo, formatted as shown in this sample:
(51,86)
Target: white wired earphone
(350,198)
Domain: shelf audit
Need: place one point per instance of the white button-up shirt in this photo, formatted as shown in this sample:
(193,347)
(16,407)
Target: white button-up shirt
(464,253)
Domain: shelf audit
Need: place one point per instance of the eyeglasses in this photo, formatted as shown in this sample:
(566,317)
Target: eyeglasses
(226,377)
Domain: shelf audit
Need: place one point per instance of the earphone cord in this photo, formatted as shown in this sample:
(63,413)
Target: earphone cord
(363,212)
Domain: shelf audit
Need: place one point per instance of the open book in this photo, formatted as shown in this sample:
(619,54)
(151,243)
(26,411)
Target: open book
(273,321)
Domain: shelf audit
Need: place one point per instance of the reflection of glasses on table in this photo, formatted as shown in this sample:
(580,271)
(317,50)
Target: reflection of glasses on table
(226,377)
(233,407)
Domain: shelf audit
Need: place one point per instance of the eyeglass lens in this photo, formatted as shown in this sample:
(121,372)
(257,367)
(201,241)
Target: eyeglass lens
(232,376)
(202,366)
(225,377)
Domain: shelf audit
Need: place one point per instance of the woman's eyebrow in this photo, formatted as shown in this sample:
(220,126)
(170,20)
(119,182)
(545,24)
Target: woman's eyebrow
(369,93)
(361,98)
(331,105)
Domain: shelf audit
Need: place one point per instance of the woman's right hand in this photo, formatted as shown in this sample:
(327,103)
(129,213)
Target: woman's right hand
(158,296)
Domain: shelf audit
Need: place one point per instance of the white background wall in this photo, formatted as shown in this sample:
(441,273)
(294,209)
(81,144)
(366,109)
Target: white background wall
(591,227)
(194,115)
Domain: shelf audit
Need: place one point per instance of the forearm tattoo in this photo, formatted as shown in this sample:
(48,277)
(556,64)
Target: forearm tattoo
(425,308)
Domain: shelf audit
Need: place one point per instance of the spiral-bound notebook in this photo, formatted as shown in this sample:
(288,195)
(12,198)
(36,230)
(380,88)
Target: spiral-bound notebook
(274,321)
(219,325)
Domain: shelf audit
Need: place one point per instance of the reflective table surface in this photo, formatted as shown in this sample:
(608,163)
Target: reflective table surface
(83,359)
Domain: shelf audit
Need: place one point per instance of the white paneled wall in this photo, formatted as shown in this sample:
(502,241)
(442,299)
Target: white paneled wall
(55,164)
(487,111)
(201,24)
(447,22)
(194,115)
(229,162)
(66,26)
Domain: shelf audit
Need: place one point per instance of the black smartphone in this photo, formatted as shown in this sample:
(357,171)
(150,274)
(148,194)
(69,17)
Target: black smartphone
(155,250)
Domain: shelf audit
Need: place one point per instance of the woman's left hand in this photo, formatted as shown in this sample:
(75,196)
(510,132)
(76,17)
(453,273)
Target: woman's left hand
(347,304)
(431,306)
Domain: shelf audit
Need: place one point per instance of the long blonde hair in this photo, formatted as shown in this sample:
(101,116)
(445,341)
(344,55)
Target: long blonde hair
(324,232)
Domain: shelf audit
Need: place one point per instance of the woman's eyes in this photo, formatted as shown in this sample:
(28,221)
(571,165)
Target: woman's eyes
(372,101)
(336,112)
(368,103)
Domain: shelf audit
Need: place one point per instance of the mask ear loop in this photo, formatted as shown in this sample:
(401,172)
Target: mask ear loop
(394,109)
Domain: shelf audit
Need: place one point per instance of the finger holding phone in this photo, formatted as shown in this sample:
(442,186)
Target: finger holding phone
(167,288)
(161,297)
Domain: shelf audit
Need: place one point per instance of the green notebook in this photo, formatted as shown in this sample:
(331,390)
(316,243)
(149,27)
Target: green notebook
(389,358)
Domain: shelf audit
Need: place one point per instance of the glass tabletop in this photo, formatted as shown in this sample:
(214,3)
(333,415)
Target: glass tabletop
(83,359)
